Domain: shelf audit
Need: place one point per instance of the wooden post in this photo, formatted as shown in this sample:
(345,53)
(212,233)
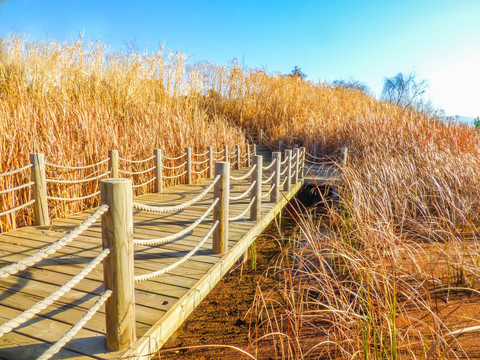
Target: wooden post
(345,155)
(296,167)
(113,163)
(255,210)
(188,165)
(40,206)
(254,150)
(288,174)
(117,235)
(260,137)
(227,156)
(158,170)
(302,162)
(239,159)
(221,210)
(249,160)
(280,146)
(315,151)
(210,162)
(275,194)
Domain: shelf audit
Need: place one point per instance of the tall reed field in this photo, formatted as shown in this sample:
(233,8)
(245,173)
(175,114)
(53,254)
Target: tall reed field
(390,271)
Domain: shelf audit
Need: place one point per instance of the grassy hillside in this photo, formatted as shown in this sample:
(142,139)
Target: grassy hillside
(387,273)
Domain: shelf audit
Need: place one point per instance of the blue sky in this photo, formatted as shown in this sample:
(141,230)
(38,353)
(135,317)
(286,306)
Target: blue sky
(329,40)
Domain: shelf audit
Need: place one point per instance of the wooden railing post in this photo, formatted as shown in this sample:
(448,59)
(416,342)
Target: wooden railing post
(260,137)
(221,210)
(275,194)
(254,150)
(315,150)
(296,169)
(288,174)
(280,146)
(344,155)
(188,165)
(158,170)
(255,210)
(239,164)
(249,160)
(302,162)
(117,235)
(210,162)
(113,163)
(227,155)
(40,206)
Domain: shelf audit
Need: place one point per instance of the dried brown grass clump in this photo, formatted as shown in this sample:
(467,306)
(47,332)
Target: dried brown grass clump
(73,102)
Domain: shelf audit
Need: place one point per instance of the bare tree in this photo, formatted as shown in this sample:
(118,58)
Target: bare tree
(404,90)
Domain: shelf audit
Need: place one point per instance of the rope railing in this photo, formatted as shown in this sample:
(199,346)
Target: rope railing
(283,182)
(84,180)
(284,171)
(267,180)
(242,214)
(145,183)
(179,262)
(136,172)
(245,176)
(175,167)
(218,152)
(200,155)
(178,235)
(268,167)
(201,171)
(16,171)
(245,193)
(282,163)
(200,162)
(52,350)
(137,161)
(19,207)
(50,299)
(19,187)
(174,158)
(77,167)
(74,198)
(267,194)
(175,176)
(51,249)
(175,208)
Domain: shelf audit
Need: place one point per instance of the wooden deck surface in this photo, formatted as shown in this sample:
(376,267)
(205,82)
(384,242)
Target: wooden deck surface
(162,304)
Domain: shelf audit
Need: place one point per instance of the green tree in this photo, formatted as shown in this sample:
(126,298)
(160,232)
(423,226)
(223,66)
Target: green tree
(298,73)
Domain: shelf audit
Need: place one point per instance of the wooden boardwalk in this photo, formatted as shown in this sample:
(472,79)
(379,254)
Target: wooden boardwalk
(162,304)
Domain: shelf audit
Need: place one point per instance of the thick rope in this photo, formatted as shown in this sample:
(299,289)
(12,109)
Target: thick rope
(201,171)
(73,199)
(57,245)
(267,180)
(174,167)
(16,188)
(77,167)
(283,182)
(143,184)
(315,157)
(19,207)
(200,162)
(175,158)
(284,171)
(137,161)
(200,155)
(218,152)
(136,172)
(55,181)
(179,262)
(243,177)
(50,299)
(52,350)
(174,176)
(269,166)
(245,193)
(12,172)
(239,216)
(284,161)
(178,235)
(175,208)
(268,192)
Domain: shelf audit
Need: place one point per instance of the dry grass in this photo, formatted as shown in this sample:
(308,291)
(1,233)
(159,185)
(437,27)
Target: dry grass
(375,279)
